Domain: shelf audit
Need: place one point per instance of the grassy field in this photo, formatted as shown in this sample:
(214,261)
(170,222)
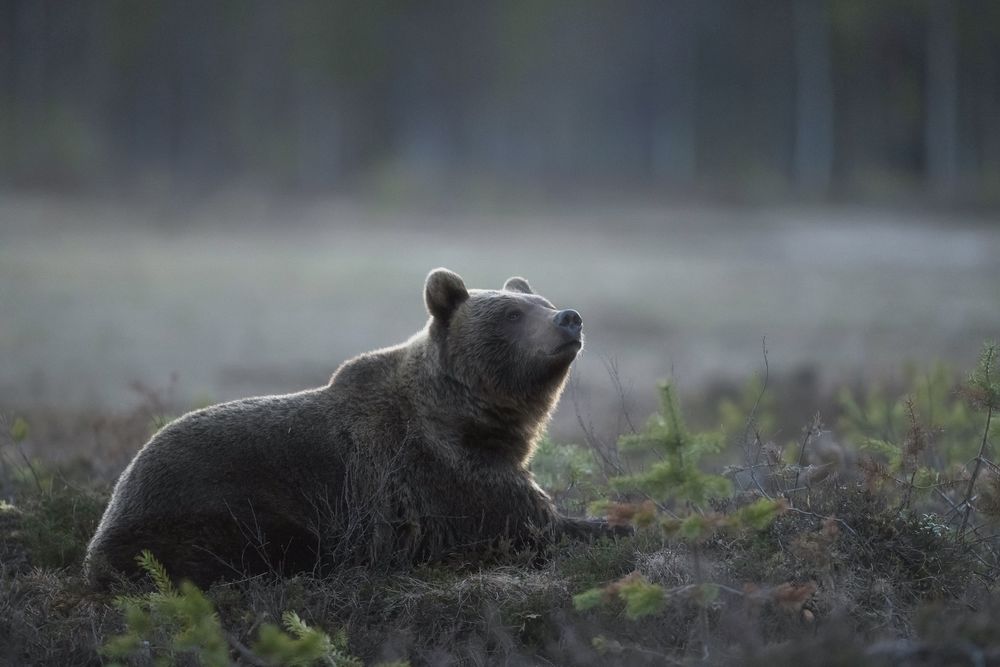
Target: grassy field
(870,542)
(866,538)
(241,297)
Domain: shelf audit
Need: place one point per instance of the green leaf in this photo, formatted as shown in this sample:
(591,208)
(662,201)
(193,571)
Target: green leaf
(19,430)
(641,598)
(699,487)
(599,507)
(926,476)
(588,599)
(122,646)
(676,475)
(294,624)
(759,514)
(302,645)
(156,571)
(694,528)
(983,390)
(138,620)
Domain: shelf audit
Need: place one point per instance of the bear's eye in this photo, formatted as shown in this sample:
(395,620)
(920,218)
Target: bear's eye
(513,315)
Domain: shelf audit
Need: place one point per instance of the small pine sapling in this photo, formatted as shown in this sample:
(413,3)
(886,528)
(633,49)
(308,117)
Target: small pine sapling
(180,621)
(677,490)
(676,475)
(300,645)
(169,622)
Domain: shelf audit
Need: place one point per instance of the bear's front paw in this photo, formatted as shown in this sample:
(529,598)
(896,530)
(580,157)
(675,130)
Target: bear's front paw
(591,529)
(619,530)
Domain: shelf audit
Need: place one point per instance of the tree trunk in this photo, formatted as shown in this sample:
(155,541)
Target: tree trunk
(941,128)
(673,155)
(813,157)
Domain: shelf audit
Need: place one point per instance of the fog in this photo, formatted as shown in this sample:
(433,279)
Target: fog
(213,202)
(233,306)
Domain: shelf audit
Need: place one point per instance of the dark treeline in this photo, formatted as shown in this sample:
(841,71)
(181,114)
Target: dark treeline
(825,98)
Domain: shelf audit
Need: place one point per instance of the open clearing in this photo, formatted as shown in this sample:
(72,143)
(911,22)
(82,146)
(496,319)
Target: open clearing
(246,298)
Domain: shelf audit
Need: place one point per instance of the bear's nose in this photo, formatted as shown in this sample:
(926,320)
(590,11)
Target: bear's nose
(569,320)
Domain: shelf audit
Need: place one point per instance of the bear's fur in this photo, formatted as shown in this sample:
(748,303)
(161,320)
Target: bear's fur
(410,453)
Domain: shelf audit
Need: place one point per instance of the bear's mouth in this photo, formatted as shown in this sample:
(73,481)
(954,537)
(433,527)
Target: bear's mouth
(570,345)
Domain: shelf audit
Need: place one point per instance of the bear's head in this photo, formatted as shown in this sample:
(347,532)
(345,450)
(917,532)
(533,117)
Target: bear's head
(510,344)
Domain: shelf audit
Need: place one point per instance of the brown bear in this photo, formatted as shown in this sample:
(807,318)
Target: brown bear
(411,453)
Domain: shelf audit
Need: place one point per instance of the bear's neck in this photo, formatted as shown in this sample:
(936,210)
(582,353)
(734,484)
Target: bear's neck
(481,426)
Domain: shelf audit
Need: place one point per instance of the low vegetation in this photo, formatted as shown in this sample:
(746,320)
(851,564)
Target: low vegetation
(874,542)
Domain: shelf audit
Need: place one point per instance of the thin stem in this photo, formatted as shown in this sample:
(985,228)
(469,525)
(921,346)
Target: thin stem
(813,427)
(975,472)
(763,387)
(31,468)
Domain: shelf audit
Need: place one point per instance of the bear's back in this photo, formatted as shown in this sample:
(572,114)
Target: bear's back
(241,442)
(208,480)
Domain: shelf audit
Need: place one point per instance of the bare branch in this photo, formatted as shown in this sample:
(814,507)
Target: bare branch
(975,472)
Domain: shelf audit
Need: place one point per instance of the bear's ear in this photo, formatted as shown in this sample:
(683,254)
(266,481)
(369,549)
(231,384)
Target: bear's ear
(443,292)
(517,284)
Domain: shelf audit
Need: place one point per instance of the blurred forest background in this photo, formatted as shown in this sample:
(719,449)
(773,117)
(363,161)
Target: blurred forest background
(245,192)
(842,97)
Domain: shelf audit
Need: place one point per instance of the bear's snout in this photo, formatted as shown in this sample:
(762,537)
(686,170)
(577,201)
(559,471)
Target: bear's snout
(570,321)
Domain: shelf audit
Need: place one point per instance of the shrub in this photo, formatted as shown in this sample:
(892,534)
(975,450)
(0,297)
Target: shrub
(171,622)
(568,472)
(58,523)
